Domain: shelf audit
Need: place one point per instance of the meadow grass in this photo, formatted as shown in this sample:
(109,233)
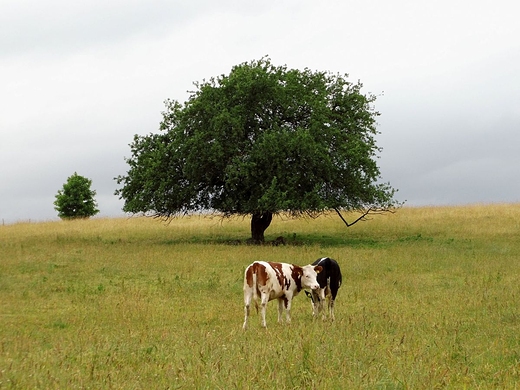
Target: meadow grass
(430,300)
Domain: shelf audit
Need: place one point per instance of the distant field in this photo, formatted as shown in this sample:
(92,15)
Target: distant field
(431,299)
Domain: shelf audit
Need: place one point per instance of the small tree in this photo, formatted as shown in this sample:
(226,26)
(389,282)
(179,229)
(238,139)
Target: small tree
(76,199)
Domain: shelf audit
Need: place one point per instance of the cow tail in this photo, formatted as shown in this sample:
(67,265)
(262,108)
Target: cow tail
(255,292)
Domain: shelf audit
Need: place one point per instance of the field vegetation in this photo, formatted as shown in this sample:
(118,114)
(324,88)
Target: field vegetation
(430,300)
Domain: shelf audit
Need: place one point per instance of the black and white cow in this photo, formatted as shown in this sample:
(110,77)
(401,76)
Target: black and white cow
(282,281)
(329,280)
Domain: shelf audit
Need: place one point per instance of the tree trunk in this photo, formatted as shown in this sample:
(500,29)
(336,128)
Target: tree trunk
(260,222)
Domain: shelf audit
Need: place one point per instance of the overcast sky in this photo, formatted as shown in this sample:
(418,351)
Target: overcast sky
(79,79)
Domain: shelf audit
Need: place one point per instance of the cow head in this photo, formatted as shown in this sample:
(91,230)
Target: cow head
(309,273)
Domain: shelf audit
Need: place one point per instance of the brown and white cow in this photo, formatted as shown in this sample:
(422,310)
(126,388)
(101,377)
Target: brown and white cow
(267,281)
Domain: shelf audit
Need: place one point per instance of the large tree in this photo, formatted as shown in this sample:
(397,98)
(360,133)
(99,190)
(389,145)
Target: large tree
(262,140)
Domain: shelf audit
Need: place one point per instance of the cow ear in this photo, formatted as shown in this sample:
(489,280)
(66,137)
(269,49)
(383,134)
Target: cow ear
(318,269)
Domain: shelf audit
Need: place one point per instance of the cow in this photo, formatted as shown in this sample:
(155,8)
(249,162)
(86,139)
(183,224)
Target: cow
(267,281)
(330,281)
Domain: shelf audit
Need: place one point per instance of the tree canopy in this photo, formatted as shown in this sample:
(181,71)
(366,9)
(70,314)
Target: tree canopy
(262,140)
(76,199)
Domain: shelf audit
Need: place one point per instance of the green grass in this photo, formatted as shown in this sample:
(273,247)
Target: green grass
(430,300)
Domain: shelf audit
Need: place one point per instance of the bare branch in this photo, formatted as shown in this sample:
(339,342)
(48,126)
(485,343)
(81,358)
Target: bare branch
(364,214)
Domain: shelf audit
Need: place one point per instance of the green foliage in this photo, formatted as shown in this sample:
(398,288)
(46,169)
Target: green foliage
(76,199)
(261,139)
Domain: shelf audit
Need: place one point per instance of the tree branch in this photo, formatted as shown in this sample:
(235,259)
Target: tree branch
(364,215)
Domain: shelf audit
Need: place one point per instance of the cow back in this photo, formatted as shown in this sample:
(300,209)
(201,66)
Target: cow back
(331,272)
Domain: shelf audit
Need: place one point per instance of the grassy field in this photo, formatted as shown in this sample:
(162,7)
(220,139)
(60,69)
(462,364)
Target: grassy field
(431,299)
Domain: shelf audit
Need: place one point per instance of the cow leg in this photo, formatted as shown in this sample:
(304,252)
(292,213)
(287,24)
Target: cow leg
(247,305)
(315,301)
(246,315)
(281,306)
(333,294)
(325,307)
(320,305)
(332,303)
(265,299)
(331,309)
(288,310)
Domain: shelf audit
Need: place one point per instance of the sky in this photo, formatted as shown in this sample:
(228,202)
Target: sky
(80,79)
